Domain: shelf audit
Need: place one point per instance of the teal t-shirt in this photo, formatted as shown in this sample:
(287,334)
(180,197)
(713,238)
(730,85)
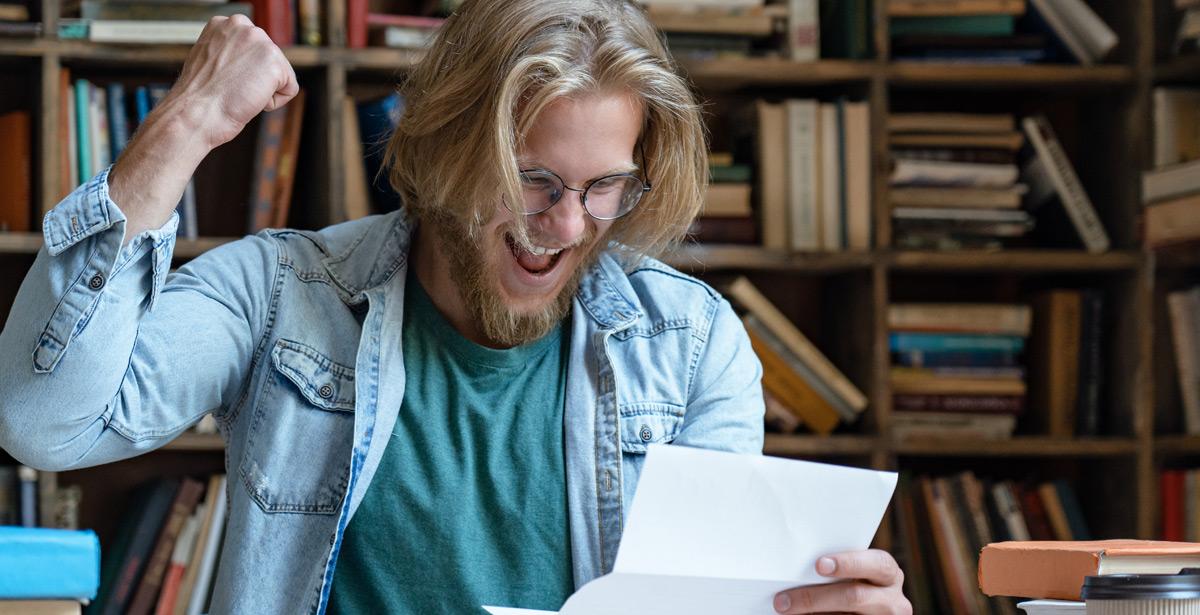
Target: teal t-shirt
(468,506)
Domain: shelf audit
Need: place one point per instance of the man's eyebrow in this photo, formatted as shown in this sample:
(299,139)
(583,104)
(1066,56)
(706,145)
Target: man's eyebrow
(623,168)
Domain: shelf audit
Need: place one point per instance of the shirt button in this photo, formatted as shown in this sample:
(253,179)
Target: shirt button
(97,282)
(645,433)
(325,391)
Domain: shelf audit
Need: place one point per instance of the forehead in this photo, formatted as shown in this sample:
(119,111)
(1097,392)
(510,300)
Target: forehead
(596,131)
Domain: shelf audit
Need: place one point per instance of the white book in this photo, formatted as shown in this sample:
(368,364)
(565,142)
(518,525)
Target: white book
(1096,37)
(208,561)
(1010,511)
(144,31)
(1062,176)
(831,185)
(1169,182)
(1050,11)
(803,174)
(908,172)
(804,32)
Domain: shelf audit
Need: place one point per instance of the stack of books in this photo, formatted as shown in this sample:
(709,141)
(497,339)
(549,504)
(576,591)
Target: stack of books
(813,174)
(800,385)
(1054,573)
(998,31)
(955,180)
(34,498)
(957,369)
(164,555)
(162,21)
(365,27)
(727,216)
(47,571)
(942,524)
(1171,191)
(15,23)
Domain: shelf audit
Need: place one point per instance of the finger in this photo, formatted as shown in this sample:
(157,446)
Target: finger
(852,597)
(874,566)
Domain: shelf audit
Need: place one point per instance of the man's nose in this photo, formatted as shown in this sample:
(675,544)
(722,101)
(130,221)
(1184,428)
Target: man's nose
(564,223)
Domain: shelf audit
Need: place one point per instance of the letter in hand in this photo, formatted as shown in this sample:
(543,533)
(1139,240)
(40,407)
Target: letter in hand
(872,584)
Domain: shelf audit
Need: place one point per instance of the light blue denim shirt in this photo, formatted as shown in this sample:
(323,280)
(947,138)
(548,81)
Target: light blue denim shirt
(292,340)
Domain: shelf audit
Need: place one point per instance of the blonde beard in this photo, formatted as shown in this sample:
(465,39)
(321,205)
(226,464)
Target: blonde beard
(476,281)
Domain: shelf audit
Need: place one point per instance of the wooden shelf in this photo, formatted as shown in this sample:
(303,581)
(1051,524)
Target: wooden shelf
(1177,445)
(1030,261)
(1021,446)
(1005,76)
(780,445)
(700,258)
(736,73)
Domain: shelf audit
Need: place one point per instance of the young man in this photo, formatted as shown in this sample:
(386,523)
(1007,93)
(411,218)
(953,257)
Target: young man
(430,410)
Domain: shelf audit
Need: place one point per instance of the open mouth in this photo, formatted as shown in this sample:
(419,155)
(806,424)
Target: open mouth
(537,261)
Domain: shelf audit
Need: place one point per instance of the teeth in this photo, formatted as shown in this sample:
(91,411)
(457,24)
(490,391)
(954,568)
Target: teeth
(536,250)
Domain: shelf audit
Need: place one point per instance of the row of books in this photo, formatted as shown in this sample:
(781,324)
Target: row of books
(942,524)
(164,555)
(969,181)
(957,369)
(15,21)
(1171,191)
(174,22)
(813,174)
(998,31)
(802,30)
(34,498)
(801,386)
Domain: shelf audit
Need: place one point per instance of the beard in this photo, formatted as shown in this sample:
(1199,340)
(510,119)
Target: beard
(476,279)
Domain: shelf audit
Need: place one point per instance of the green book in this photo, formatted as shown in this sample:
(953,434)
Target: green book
(83,91)
(971,25)
(730,174)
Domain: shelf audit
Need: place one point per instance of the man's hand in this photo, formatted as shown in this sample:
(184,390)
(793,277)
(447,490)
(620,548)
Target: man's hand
(872,585)
(231,74)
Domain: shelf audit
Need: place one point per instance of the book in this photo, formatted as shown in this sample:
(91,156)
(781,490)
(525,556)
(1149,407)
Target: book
(40,607)
(83,93)
(289,149)
(967,404)
(151,10)
(793,391)
(1182,309)
(1009,141)
(939,342)
(829,160)
(1171,505)
(1057,569)
(948,541)
(1034,510)
(756,22)
(773,165)
(1066,183)
(908,172)
(1054,361)
(951,425)
(803,30)
(27,495)
(1172,221)
(101,137)
(309,12)
(68,149)
(276,17)
(357,202)
(147,516)
(1004,498)
(727,201)
(1176,114)
(905,382)
(16,171)
(739,230)
(845,29)
(798,367)
(180,553)
(266,166)
(1091,368)
(118,120)
(856,132)
(928,8)
(952,123)
(1054,511)
(967,25)
(750,298)
(48,564)
(961,318)
(1171,181)
(401,37)
(206,564)
(804,174)
(142,31)
(159,560)
(1052,607)
(356,23)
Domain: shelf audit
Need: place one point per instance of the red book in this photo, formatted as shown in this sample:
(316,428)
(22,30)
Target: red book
(356,23)
(275,16)
(404,21)
(1172,505)
(16,171)
(1035,515)
(186,499)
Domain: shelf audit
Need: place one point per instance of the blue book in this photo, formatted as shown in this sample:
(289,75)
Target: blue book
(52,564)
(83,102)
(142,99)
(118,121)
(901,342)
(962,359)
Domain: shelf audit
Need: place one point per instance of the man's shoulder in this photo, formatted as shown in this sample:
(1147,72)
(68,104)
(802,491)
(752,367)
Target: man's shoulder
(358,252)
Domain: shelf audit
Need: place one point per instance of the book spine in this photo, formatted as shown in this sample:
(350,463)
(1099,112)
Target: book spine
(804,34)
(101,153)
(804,187)
(1091,368)
(152,518)
(1066,183)
(83,112)
(310,22)
(903,342)
(986,404)
(47,484)
(1171,488)
(27,479)
(68,154)
(118,121)
(771,143)
(160,558)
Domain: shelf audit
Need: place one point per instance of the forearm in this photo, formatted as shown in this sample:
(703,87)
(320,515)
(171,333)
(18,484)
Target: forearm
(149,178)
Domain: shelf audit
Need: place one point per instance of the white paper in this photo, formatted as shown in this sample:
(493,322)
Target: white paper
(713,533)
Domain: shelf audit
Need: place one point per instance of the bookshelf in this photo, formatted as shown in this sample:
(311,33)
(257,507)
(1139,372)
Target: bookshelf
(839,300)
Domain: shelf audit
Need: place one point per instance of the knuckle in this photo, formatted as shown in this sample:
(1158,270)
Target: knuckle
(857,596)
(803,599)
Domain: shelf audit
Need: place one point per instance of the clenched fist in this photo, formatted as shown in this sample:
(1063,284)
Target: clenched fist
(233,73)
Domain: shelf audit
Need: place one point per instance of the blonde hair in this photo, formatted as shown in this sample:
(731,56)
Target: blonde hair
(495,65)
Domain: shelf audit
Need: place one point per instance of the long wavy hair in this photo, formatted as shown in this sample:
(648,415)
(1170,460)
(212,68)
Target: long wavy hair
(496,65)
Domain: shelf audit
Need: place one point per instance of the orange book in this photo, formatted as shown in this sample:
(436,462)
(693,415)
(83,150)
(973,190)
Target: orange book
(16,171)
(1056,569)
(792,390)
(289,149)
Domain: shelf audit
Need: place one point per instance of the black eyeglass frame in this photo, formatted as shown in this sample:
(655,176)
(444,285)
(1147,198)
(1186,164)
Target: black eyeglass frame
(644,180)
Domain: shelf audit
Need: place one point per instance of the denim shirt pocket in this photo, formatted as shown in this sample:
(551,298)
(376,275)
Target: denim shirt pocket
(297,454)
(646,423)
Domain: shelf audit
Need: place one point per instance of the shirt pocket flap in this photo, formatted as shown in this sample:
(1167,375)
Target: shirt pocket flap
(645,424)
(325,383)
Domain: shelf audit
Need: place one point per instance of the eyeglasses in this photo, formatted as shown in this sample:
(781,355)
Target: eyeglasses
(604,198)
